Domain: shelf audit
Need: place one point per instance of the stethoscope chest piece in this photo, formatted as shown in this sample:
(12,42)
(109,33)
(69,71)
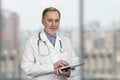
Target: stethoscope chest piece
(61,50)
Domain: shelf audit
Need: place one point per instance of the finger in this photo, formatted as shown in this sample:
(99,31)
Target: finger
(60,71)
(56,72)
(66,74)
(61,64)
(65,62)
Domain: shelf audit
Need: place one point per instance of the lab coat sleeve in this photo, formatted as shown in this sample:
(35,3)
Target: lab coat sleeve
(29,64)
(74,60)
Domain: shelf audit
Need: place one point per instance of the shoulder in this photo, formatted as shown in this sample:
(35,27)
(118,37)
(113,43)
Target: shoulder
(33,38)
(65,38)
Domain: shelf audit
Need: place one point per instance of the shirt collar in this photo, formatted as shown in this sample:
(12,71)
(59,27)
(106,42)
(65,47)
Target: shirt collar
(50,36)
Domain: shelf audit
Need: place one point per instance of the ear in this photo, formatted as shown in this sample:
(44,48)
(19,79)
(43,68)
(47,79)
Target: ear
(42,21)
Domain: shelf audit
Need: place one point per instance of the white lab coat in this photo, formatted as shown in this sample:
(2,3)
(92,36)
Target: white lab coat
(35,63)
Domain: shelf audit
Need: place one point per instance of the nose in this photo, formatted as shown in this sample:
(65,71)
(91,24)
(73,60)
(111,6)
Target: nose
(53,23)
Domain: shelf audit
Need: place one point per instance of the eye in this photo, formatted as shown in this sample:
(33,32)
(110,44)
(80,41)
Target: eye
(57,20)
(49,20)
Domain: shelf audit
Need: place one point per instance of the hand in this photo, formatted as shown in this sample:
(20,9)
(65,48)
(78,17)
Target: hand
(59,64)
(63,73)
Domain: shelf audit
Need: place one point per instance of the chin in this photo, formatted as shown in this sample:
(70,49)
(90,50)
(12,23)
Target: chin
(53,33)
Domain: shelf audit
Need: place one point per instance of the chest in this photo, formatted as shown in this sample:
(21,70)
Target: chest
(49,55)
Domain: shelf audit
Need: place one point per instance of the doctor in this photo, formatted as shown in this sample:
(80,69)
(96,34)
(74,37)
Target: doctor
(47,51)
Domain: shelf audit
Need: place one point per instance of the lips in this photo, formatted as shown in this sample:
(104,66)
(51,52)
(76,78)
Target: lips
(53,28)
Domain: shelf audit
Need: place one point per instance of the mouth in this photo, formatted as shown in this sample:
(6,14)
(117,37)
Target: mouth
(53,28)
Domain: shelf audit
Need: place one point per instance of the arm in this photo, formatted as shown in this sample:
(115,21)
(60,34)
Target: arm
(29,64)
(74,59)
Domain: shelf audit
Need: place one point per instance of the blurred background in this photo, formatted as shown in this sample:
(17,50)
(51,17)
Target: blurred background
(92,25)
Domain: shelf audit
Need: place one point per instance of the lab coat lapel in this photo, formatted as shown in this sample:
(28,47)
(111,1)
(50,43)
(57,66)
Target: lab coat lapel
(49,44)
(57,55)
(57,43)
(44,38)
(54,51)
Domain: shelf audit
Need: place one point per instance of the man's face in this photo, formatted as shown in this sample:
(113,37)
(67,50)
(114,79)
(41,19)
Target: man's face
(51,22)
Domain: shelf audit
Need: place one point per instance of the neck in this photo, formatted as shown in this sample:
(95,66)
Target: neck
(49,33)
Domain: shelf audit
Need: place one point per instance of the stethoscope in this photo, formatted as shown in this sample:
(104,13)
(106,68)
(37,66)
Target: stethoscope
(38,43)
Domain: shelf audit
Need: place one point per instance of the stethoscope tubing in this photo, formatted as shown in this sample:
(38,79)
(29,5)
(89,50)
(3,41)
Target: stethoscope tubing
(38,43)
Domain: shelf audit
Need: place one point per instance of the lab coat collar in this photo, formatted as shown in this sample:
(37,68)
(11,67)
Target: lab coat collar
(44,38)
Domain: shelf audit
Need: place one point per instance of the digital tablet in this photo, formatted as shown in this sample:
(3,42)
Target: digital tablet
(65,68)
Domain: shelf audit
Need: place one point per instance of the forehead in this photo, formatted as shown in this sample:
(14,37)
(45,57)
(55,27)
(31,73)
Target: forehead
(52,14)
